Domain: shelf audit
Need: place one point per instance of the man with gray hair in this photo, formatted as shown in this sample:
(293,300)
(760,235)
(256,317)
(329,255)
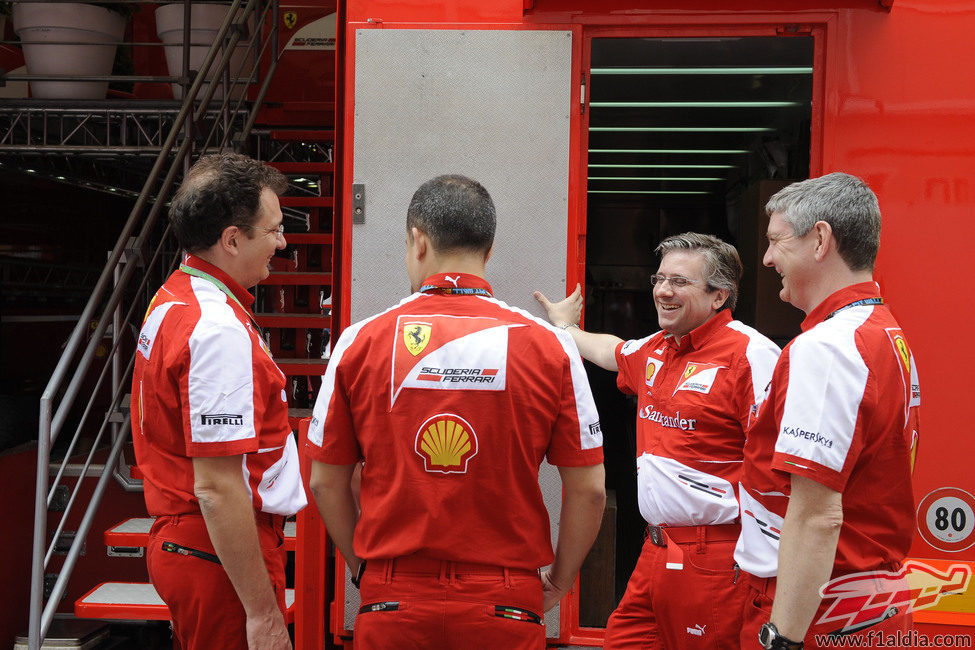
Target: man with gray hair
(827,479)
(697,382)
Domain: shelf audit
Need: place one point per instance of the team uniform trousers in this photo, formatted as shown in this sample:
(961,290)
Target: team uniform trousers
(419,603)
(758,609)
(205,609)
(690,585)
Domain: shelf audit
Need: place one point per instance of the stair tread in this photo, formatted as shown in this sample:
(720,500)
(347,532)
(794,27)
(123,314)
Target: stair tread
(137,600)
(134,532)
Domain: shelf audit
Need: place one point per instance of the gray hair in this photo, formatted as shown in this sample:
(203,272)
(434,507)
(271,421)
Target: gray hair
(722,265)
(457,213)
(843,201)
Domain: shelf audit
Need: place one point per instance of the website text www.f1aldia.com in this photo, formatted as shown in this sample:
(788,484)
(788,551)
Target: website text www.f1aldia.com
(900,639)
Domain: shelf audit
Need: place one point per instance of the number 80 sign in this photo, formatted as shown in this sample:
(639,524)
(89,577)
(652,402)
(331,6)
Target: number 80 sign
(946,519)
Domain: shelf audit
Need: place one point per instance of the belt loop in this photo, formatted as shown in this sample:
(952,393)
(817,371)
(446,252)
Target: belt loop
(507,578)
(443,572)
(388,571)
(452,573)
(701,537)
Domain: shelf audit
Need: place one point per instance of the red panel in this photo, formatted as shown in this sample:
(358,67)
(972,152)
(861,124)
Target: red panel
(311,565)
(421,11)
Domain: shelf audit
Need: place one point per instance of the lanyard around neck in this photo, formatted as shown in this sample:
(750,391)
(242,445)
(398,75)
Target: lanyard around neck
(189,270)
(858,303)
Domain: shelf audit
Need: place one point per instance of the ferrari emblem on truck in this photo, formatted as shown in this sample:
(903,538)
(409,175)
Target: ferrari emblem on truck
(290,19)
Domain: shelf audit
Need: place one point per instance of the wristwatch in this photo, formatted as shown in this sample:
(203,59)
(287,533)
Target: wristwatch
(770,639)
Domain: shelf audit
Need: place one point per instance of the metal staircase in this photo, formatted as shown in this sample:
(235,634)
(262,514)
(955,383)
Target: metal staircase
(293,304)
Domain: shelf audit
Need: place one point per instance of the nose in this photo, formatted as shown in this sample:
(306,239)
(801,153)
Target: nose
(767,258)
(282,242)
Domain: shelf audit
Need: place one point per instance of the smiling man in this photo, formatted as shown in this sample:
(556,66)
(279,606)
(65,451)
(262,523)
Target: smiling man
(696,383)
(827,480)
(210,417)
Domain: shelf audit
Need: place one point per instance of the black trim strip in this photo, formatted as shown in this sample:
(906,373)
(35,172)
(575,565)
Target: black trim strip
(173,547)
(388,606)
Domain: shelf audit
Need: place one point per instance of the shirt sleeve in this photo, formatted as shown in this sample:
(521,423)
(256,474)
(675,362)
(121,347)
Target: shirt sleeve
(755,368)
(331,434)
(577,439)
(218,402)
(818,434)
(628,363)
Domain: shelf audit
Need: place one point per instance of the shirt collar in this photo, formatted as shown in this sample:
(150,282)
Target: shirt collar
(698,336)
(240,293)
(447,283)
(838,300)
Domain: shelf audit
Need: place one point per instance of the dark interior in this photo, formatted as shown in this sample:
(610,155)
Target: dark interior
(685,134)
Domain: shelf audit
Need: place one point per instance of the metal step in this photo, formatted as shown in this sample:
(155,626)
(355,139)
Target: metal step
(138,601)
(317,321)
(134,533)
(299,277)
(306,202)
(311,367)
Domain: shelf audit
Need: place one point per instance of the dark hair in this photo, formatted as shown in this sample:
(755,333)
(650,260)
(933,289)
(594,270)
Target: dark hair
(456,212)
(843,201)
(219,191)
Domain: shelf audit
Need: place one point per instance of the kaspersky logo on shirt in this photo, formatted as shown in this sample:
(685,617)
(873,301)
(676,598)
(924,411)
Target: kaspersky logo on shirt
(446,443)
(444,352)
(698,377)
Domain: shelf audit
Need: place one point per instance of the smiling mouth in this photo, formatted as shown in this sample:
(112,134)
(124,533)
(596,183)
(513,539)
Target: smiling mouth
(670,307)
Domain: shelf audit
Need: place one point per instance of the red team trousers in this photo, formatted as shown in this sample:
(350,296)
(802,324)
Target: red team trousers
(686,595)
(206,611)
(423,603)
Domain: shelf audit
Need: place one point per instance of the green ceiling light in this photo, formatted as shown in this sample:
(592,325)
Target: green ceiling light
(729,71)
(649,192)
(662,166)
(681,129)
(695,104)
(654,178)
(708,151)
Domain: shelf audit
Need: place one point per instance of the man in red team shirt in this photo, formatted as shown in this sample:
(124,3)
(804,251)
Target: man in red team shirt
(210,417)
(452,399)
(827,481)
(696,383)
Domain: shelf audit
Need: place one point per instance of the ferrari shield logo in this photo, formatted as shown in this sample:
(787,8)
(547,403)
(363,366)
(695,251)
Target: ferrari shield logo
(290,19)
(416,336)
(689,370)
(902,350)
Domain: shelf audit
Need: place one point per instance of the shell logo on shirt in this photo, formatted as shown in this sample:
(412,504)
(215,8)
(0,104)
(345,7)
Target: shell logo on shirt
(698,377)
(446,443)
(416,336)
(653,366)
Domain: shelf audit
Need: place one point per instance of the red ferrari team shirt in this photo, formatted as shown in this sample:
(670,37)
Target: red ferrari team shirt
(205,384)
(694,402)
(453,399)
(842,410)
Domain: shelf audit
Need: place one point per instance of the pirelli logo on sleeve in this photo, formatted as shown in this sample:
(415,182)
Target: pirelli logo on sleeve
(440,352)
(225,419)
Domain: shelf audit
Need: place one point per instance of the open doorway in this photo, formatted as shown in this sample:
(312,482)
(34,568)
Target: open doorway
(684,134)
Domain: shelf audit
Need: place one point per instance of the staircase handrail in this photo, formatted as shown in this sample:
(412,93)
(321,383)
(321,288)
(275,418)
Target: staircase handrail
(69,385)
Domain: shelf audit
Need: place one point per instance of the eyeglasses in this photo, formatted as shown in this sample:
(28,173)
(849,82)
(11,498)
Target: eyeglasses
(277,232)
(676,281)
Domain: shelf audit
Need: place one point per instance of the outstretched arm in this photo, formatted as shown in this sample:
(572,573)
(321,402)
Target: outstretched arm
(583,501)
(598,348)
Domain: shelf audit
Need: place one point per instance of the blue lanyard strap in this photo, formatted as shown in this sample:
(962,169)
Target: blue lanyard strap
(858,303)
(456,291)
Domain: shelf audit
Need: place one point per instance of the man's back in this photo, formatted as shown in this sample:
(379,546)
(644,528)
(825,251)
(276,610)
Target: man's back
(453,401)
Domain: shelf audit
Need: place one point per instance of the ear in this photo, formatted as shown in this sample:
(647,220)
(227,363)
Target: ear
(720,296)
(825,242)
(230,239)
(421,243)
